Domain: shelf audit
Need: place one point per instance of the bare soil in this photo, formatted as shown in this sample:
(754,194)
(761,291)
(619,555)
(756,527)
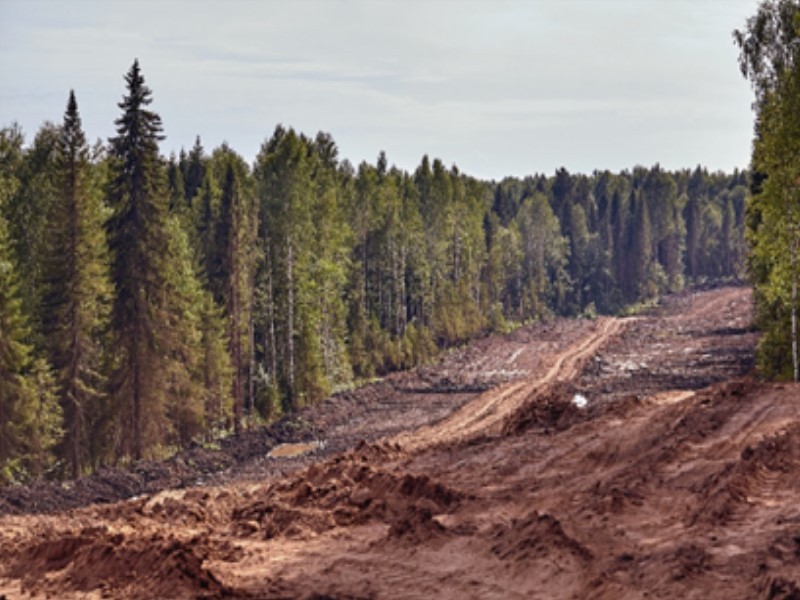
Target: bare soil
(477,477)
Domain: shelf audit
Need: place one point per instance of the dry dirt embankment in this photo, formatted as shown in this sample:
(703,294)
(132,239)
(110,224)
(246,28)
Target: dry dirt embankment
(678,478)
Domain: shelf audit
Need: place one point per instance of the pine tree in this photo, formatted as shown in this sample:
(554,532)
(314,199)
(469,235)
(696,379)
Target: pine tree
(201,360)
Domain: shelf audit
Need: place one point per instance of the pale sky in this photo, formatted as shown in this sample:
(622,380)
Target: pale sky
(496,87)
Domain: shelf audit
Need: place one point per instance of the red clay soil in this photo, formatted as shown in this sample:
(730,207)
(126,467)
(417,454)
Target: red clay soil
(678,478)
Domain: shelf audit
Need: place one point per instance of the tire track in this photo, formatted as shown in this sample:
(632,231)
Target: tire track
(486,413)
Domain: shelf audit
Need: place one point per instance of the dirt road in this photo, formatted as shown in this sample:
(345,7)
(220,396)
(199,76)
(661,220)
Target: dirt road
(677,478)
(486,414)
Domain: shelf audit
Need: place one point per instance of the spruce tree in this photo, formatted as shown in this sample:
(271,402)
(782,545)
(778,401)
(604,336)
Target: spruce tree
(29,415)
(194,170)
(77,296)
(230,228)
(14,356)
(27,213)
(11,157)
(138,240)
(641,249)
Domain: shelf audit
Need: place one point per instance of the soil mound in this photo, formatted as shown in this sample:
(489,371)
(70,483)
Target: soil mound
(548,409)
(535,536)
(351,489)
(138,567)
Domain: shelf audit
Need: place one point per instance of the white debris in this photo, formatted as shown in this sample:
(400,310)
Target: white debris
(580,401)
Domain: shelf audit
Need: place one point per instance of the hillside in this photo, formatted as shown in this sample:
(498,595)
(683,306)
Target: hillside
(484,476)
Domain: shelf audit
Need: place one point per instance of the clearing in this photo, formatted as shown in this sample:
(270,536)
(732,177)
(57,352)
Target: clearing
(614,458)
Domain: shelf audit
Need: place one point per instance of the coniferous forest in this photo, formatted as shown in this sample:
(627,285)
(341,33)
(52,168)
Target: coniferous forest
(148,302)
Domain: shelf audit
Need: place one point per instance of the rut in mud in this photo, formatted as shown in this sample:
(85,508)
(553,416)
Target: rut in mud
(676,478)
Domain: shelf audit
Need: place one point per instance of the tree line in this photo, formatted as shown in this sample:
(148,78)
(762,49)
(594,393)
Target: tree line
(147,303)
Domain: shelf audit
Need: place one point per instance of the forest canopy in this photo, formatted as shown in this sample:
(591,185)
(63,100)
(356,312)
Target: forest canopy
(149,302)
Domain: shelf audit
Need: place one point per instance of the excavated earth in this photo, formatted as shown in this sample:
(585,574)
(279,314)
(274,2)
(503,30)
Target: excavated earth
(614,458)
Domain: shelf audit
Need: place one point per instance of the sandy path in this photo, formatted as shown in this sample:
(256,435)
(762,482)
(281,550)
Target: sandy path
(486,413)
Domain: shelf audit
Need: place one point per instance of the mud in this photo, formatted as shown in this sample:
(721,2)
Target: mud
(482,479)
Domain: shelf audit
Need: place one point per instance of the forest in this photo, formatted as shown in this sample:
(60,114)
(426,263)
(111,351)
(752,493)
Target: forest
(151,302)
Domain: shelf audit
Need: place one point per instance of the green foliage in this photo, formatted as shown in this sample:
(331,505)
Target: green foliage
(11,157)
(27,212)
(30,416)
(188,345)
(770,57)
(230,260)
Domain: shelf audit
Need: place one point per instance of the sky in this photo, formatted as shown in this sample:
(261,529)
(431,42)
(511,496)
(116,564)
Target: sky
(496,87)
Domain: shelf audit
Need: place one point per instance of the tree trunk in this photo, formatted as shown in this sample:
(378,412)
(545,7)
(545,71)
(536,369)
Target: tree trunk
(290,317)
(273,351)
(137,405)
(235,313)
(796,243)
(251,365)
(403,305)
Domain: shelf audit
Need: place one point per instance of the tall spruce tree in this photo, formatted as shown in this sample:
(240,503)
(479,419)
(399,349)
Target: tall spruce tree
(77,297)
(138,239)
